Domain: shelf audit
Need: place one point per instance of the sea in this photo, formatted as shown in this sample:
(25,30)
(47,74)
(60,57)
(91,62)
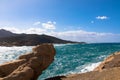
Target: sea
(69,58)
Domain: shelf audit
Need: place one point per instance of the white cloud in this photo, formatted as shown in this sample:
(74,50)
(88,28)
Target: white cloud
(35,31)
(76,35)
(13,29)
(37,28)
(81,35)
(27,31)
(37,23)
(102,17)
(46,25)
(49,25)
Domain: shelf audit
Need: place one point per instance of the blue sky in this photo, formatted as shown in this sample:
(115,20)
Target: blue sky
(78,20)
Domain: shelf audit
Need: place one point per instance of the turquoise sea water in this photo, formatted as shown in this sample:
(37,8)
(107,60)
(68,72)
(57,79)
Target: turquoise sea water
(69,59)
(78,58)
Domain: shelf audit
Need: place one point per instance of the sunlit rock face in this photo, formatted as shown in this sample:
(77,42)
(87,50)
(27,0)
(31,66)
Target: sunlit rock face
(110,62)
(28,66)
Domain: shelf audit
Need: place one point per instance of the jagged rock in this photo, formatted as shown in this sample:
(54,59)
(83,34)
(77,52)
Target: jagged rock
(29,66)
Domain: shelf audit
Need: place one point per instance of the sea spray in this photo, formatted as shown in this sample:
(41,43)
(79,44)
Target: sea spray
(12,53)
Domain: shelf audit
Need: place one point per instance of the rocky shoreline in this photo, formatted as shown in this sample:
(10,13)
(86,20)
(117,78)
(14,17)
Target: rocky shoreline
(109,69)
(28,66)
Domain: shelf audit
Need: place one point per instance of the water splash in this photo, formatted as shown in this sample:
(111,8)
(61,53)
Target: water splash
(12,53)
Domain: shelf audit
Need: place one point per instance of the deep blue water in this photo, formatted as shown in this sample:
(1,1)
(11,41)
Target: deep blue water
(78,58)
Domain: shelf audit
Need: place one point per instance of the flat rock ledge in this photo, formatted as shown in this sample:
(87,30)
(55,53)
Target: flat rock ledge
(28,66)
(109,69)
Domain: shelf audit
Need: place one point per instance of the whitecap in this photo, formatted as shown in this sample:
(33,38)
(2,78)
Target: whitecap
(85,68)
(12,53)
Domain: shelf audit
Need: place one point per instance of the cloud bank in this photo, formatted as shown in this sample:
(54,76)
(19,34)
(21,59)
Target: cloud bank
(75,35)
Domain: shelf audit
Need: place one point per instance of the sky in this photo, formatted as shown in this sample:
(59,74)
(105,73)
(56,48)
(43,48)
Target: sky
(77,20)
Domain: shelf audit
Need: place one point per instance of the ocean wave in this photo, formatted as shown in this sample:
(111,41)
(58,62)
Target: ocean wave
(64,44)
(89,67)
(84,68)
(12,53)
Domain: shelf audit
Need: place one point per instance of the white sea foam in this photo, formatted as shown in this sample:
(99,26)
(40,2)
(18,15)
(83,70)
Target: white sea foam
(59,44)
(85,68)
(11,53)
(90,67)
(64,44)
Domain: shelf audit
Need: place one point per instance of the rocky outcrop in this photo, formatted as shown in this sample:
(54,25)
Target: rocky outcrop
(108,74)
(109,69)
(28,66)
(110,62)
(6,69)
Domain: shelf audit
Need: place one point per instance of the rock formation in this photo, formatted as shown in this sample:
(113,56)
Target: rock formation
(110,62)
(109,69)
(28,66)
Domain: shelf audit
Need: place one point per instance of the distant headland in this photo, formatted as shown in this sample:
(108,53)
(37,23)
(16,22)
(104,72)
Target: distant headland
(8,38)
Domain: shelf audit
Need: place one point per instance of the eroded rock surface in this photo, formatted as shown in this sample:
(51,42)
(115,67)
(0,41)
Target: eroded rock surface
(110,62)
(29,66)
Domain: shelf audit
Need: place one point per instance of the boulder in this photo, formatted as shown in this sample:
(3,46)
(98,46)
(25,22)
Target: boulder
(29,66)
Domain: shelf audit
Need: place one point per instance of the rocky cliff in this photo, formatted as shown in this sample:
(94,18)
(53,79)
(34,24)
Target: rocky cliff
(109,69)
(28,66)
